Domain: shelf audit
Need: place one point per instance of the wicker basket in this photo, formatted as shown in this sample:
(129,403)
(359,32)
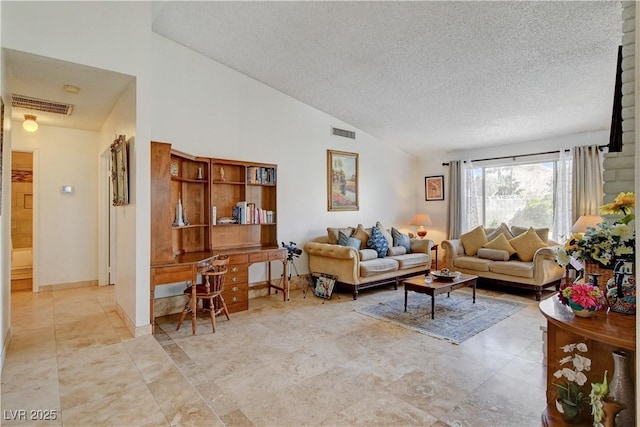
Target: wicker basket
(605,273)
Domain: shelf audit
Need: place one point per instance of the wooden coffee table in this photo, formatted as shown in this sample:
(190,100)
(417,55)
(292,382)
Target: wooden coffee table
(437,287)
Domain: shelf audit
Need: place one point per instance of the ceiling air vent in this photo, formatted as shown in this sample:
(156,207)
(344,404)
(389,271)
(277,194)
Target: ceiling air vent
(344,133)
(21,101)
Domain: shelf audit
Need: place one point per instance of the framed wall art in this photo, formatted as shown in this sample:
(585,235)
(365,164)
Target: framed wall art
(342,181)
(120,171)
(434,187)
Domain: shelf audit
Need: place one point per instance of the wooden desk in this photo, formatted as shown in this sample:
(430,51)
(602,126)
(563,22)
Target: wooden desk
(236,287)
(603,333)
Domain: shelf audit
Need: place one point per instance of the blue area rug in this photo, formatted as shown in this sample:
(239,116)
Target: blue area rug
(457,318)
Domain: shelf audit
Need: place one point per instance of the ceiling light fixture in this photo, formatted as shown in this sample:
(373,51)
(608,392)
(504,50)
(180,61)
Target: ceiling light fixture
(29,123)
(71,89)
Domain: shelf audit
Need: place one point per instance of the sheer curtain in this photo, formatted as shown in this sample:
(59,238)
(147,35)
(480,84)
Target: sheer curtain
(587,182)
(463,207)
(562,218)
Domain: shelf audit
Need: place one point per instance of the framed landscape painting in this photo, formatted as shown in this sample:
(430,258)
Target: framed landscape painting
(434,187)
(342,181)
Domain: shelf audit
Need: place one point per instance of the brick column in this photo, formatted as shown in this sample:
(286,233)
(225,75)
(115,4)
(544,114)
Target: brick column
(619,168)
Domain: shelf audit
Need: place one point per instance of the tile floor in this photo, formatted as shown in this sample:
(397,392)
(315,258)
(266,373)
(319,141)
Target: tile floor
(295,363)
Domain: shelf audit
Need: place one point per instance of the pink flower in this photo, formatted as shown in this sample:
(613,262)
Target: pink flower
(585,295)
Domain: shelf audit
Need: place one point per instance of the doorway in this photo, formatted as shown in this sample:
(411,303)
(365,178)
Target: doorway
(21,221)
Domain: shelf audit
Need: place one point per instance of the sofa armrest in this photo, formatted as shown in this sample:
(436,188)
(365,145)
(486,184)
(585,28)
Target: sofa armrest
(422,245)
(545,268)
(452,249)
(340,261)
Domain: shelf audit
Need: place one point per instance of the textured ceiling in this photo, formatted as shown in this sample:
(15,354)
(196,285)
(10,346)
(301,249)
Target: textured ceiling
(421,75)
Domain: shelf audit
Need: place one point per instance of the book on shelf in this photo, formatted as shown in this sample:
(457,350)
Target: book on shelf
(260,175)
(213,215)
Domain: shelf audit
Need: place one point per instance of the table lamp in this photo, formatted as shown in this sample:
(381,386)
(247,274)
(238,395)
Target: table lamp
(421,220)
(586,221)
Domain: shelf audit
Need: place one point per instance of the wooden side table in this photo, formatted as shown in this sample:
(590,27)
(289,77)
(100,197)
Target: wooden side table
(434,262)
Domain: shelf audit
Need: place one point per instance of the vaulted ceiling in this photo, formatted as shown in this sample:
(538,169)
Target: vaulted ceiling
(421,75)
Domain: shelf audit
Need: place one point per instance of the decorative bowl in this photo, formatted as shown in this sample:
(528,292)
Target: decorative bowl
(447,275)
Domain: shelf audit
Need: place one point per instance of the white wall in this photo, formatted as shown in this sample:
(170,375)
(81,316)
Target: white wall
(207,109)
(122,121)
(66,224)
(114,36)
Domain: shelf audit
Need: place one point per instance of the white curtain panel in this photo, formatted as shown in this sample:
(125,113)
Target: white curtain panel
(586,188)
(562,217)
(455,223)
(470,216)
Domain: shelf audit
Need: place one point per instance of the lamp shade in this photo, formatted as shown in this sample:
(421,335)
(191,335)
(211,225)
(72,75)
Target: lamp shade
(29,123)
(421,219)
(586,221)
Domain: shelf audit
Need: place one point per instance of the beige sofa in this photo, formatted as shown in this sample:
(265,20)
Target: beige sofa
(358,269)
(537,273)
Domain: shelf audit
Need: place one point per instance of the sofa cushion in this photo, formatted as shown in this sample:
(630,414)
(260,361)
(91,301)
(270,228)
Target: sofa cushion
(367,254)
(378,242)
(472,263)
(332,233)
(513,268)
(396,250)
(344,240)
(377,266)
(412,260)
(473,240)
(527,244)
(400,239)
(543,233)
(502,229)
(385,233)
(494,254)
(362,234)
(500,243)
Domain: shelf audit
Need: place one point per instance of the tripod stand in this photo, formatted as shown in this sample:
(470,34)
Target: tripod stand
(291,266)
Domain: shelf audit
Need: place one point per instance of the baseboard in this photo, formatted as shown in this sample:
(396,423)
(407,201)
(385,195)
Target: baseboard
(135,331)
(69,285)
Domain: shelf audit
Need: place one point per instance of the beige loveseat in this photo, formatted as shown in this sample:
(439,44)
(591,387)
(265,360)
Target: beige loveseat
(531,266)
(362,268)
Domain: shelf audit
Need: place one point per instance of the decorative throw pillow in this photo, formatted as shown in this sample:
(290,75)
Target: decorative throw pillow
(500,243)
(385,233)
(400,239)
(332,233)
(543,233)
(502,229)
(493,254)
(473,240)
(362,234)
(378,242)
(344,240)
(526,244)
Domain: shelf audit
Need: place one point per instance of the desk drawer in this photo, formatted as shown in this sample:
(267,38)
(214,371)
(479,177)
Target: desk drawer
(257,257)
(237,307)
(238,259)
(233,294)
(278,254)
(172,274)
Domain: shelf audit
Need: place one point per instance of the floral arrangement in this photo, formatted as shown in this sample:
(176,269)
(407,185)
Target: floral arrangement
(607,241)
(570,395)
(581,296)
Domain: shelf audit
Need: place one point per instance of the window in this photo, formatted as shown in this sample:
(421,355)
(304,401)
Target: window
(520,194)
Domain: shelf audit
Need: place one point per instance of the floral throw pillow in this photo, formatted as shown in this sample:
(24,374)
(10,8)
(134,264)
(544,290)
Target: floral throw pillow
(378,242)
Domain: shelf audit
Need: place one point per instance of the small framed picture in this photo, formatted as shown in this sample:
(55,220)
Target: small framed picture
(434,187)
(324,284)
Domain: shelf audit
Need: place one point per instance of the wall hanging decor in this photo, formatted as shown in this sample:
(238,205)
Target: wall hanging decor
(434,187)
(342,181)
(120,171)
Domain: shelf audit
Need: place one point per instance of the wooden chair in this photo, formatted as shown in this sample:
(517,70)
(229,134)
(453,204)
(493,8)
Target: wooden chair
(213,273)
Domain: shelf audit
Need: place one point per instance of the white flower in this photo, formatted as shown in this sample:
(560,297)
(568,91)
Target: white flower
(623,250)
(624,231)
(558,373)
(581,378)
(562,257)
(566,359)
(581,347)
(581,363)
(568,348)
(569,374)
